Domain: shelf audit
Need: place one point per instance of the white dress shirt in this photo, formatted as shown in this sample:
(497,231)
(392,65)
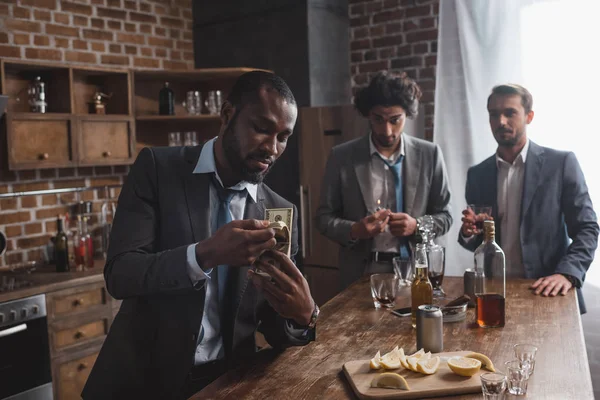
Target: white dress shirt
(509,195)
(211,346)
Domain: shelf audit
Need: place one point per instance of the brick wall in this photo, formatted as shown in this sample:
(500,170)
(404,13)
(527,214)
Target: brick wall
(396,35)
(122,33)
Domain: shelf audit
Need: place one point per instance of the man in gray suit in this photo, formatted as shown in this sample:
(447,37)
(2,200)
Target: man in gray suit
(539,200)
(189,223)
(376,187)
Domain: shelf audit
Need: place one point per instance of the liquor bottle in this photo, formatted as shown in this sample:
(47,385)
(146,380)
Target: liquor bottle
(108,214)
(81,252)
(61,247)
(421,291)
(490,280)
(89,244)
(166,101)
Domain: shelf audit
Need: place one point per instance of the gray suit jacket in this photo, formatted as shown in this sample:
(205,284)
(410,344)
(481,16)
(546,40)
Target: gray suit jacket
(163,208)
(555,206)
(346,195)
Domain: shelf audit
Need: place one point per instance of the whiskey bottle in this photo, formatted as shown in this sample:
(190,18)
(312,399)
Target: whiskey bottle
(166,101)
(61,247)
(490,280)
(421,291)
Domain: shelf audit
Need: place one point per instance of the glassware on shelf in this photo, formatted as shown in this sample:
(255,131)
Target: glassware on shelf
(108,210)
(193,102)
(37,96)
(174,138)
(190,138)
(213,102)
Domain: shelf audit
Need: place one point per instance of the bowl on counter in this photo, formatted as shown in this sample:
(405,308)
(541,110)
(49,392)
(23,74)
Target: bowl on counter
(454,313)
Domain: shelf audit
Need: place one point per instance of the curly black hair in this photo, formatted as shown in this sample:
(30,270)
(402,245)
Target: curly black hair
(389,89)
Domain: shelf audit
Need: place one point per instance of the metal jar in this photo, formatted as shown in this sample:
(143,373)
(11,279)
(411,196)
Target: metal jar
(430,330)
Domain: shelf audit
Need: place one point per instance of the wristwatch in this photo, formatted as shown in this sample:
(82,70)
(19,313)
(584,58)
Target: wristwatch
(314,316)
(571,279)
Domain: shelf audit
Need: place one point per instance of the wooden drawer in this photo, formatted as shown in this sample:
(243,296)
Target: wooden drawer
(77,300)
(105,141)
(72,375)
(79,335)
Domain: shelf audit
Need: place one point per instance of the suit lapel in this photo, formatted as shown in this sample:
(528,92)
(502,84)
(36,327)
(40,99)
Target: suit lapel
(197,194)
(410,176)
(362,169)
(533,172)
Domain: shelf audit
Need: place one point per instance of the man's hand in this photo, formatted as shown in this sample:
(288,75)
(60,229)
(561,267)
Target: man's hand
(468,228)
(370,226)
(287,291)
(552,285)
(402,224)
(235,244)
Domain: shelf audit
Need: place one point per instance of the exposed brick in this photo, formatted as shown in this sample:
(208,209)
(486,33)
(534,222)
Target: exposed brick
(108,181)
(42,15)
(61,42)
(22,26)
(419,11)
(85,171)
(188,46)
(145,28)
(75,8)
(97,35)
(34,241)
(45,213)
(188,55)
(172,22)
(8,204)
(387,41)
(48,173)
(3,37)
(174,33)
(378,30)
(158,31)
(187,13)
(433,47)
(114,60)
(146,62)
(115,25)
(427,23)
(43,54)
(374,6)
(139,17)
(391,15)
(98,46)
(21,38)
(99,2)
(145,7)
(10,51)
(60,30)
(160,10)
(114,3)
(131,50)
(26,187)
(409,25)
(153,41)
(49,4)
(370,55)
(130,38)
(175,55)
(187,35)
(49,200)
(130,5)
(62,18)
(115,48)
(129,27)
(68,183)
(13,230)
(14,217)
(13,258)
(103,170)
(37,254)
(360,44)
(4,10)
(430,61)
(110,13)
(356,56)
(98,23)
(431,34)
(175,65)
(29,202)
(81,56)
(147,52)
(27,175)
(34,228)
(393,27)
(390,3)
(21,12)
(420,48)
(357,9)
(373,66)
(80,44)
(427,72)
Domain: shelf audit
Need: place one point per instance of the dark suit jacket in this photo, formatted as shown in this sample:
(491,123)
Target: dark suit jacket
(555,206)
(150,348)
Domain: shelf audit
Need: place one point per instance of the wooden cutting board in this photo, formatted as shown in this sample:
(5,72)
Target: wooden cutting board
(443,383)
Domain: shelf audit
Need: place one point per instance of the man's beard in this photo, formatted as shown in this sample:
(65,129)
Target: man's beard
(509,142)
(233,151)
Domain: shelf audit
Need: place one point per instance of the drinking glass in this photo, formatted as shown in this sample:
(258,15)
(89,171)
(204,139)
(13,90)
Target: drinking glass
(213,102)
(493,385)
(482,213)
(190,138)
(190,103)
(436,255)
(517,375)
(384,288)
(525,353)
(174,138)
(404,270)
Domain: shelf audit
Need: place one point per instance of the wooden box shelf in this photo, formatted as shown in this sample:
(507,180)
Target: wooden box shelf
(115,83)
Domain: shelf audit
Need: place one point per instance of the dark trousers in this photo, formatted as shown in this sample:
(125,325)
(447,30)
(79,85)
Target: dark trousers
(201,376)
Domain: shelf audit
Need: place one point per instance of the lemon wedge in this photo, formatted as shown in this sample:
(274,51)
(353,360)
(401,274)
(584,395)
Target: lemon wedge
(415,358)
(390,380)
(375,361)
(428,366)
(464,366)
(485,361)
(391,360)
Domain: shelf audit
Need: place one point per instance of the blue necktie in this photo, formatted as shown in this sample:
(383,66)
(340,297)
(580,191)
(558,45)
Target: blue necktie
(396,169)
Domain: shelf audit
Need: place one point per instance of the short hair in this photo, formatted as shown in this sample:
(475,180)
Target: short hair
(389,89)
(512,89)
(246,87)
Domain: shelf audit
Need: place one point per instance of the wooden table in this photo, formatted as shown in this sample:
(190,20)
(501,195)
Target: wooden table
(350,328)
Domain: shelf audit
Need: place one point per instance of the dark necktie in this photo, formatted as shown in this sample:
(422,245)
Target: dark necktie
(396,169)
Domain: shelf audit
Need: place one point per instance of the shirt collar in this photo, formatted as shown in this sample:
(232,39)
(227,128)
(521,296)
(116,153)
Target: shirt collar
(399,152)
(206,165)
(522,154)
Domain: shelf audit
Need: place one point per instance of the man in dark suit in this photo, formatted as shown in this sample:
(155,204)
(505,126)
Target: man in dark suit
(189,223)
(539,200)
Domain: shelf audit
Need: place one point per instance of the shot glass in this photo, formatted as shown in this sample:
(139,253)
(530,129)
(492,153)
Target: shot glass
(384,288)
(174,138)
(525,353)
(517,375)
(493,385)
(404,271)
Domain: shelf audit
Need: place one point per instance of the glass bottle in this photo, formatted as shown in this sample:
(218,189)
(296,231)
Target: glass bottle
(421,291)
(166,101)
(108,214)
(436,255)
(61,247)
(37,96)
(89,244)
(81,252)
(490,280)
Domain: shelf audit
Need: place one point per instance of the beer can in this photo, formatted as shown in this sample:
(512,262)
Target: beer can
(469,286)
(430,330)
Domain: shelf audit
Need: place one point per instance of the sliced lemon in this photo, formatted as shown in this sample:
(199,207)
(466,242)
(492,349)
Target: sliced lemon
(485,361)
(428,366)
(418,354)
(464,366)
(375,361)
(390,360)
(414,359)
(390,380)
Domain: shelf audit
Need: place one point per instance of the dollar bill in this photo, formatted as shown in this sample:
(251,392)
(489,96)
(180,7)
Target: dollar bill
(281,221)
(280,214)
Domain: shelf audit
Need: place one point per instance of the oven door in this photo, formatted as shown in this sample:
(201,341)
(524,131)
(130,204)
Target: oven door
(25,361)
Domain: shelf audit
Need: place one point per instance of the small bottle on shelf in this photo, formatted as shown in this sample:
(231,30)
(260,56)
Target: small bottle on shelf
(81,252)
(89,244)
(61,247)
(166,101)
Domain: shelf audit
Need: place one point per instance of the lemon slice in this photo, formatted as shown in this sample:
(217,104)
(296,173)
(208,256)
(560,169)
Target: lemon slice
(413,360)
(485,361)
(418,354)
(428,366)
(464,366)
(391,360)
(390,380)
(375,361)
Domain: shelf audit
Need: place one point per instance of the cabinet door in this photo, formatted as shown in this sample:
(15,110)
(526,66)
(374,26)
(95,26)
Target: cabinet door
(105,141)
(39,141)
(72,373)
(321,128)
